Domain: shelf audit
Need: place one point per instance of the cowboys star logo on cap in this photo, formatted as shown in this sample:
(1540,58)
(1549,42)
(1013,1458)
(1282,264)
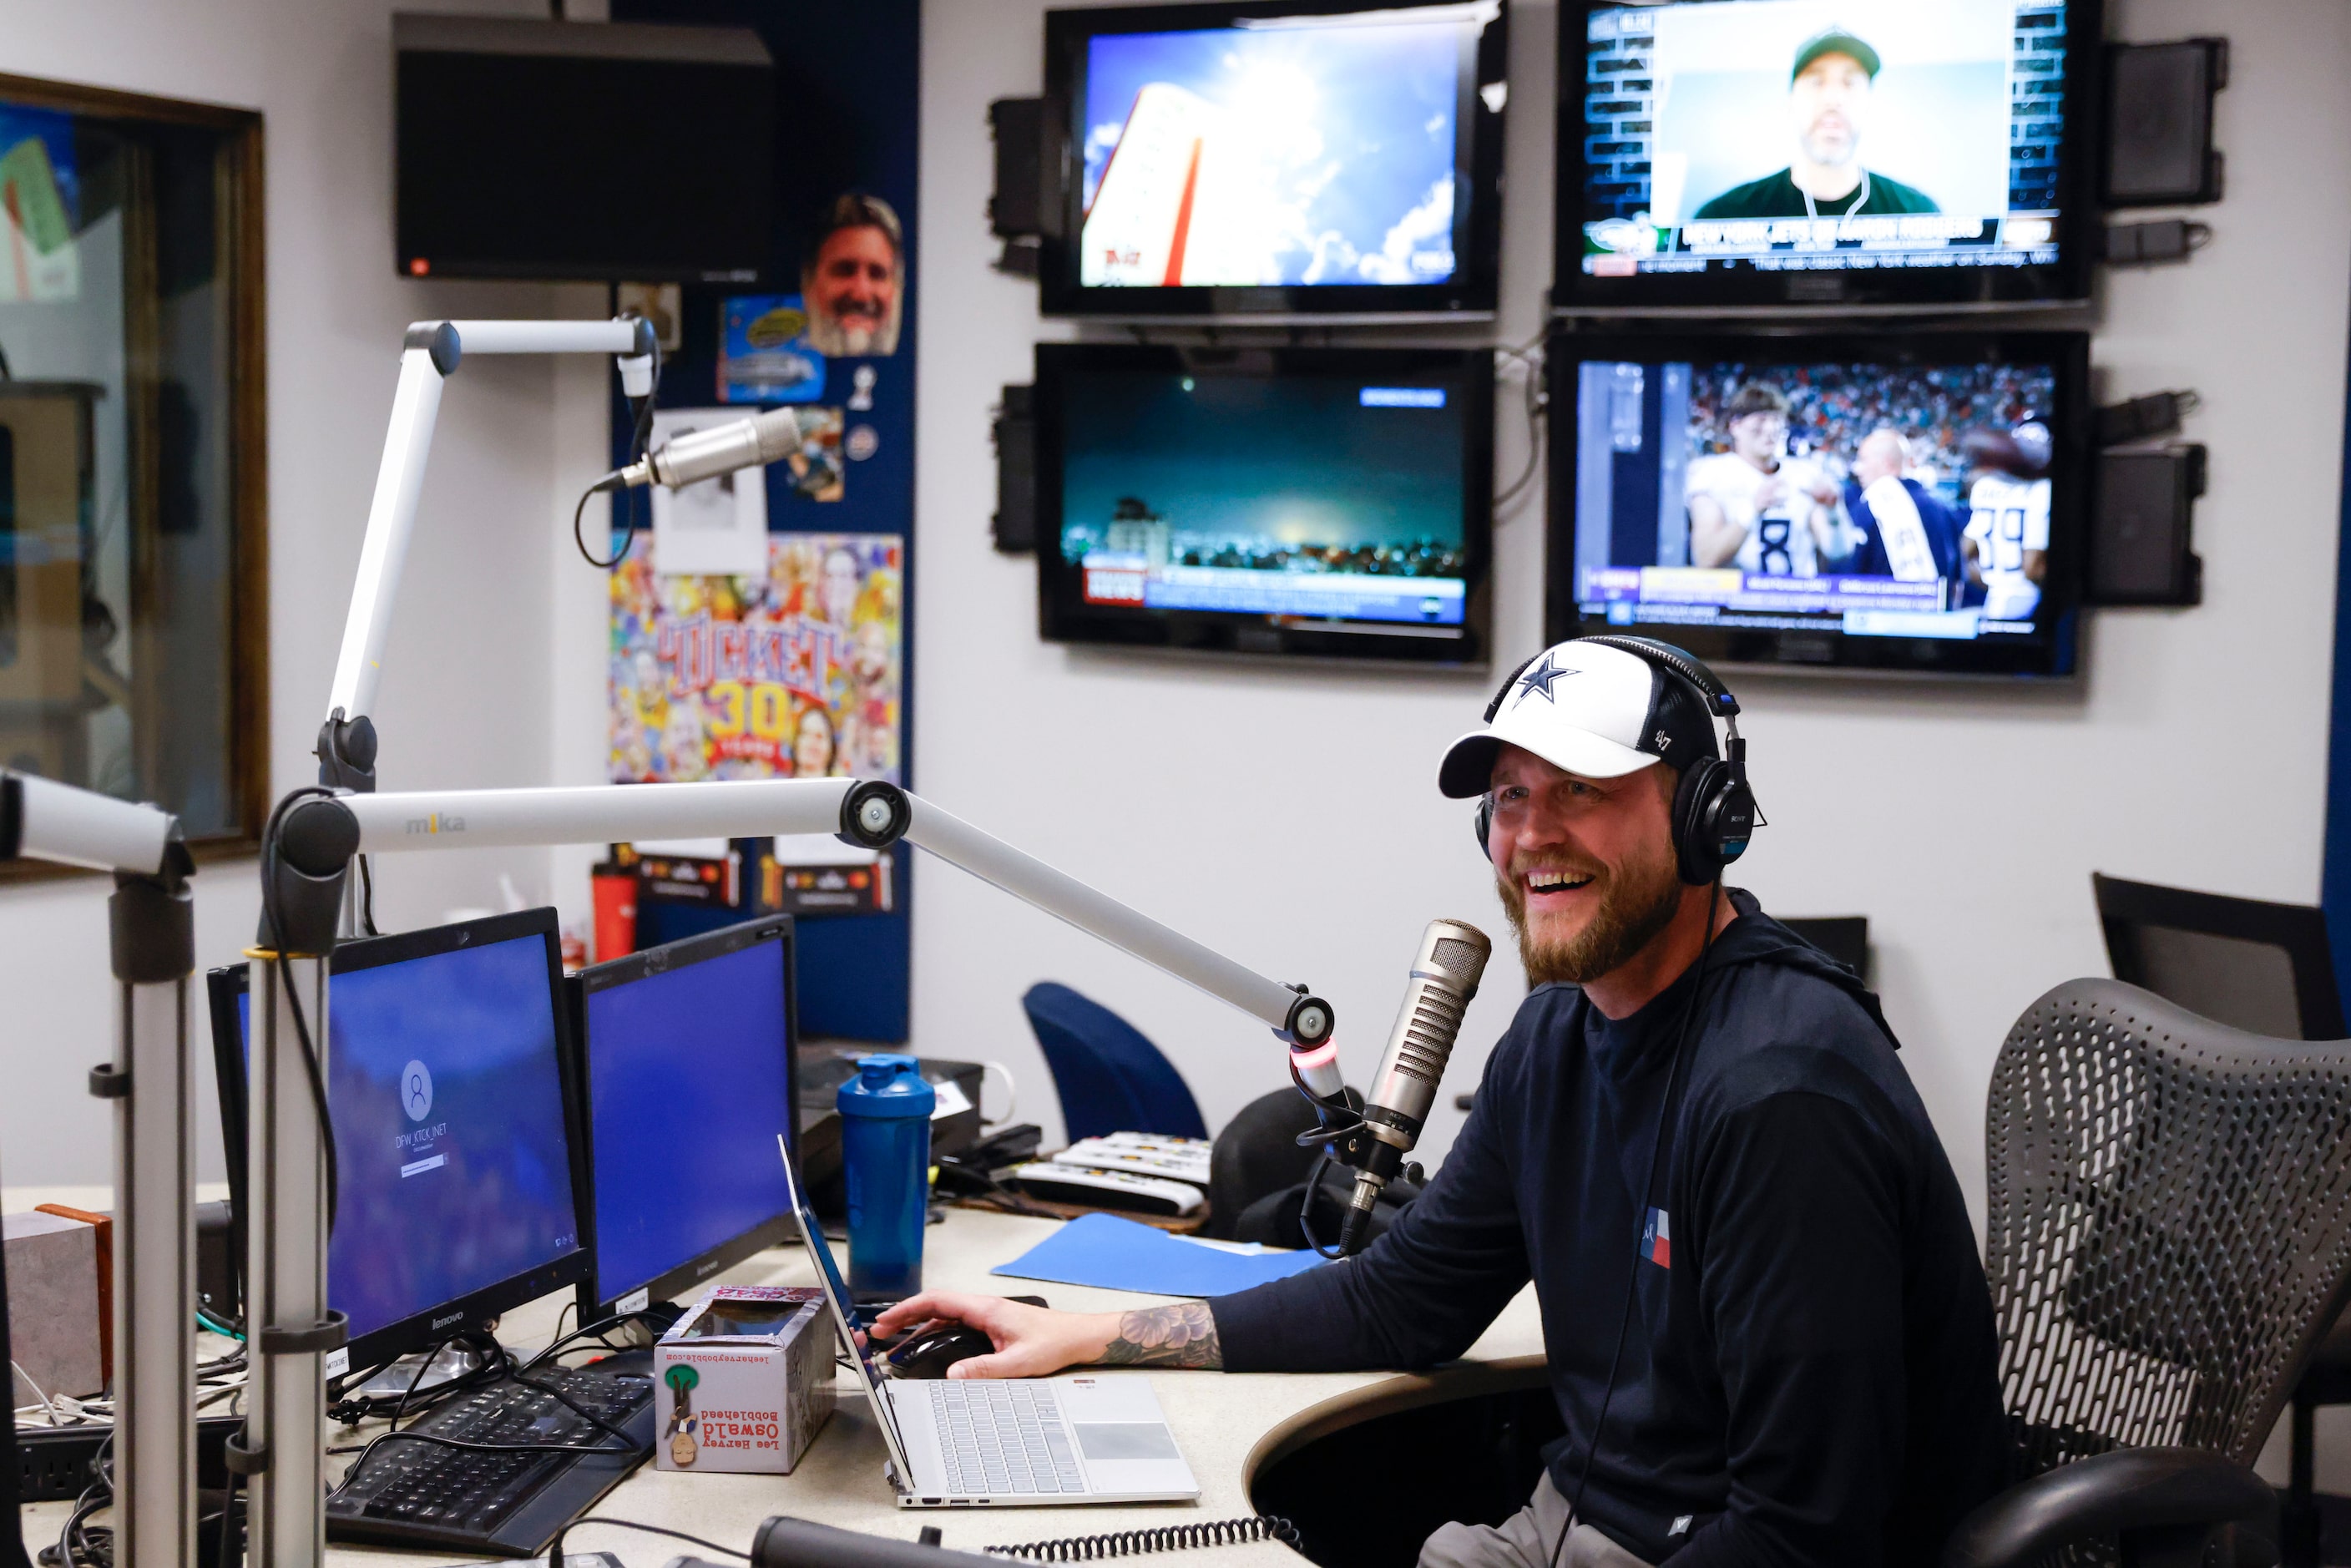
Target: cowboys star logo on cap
(1538,678)
(1619,714)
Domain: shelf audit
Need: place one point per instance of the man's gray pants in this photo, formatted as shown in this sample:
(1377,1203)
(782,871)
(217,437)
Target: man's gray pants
(1526,1539)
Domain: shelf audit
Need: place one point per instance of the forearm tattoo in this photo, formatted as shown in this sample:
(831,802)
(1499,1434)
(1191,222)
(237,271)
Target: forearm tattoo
(1180,1335)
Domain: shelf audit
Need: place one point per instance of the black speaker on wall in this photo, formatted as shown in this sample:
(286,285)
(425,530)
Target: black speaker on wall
(2159,122)
(1025,207)
(1015,432)
(2142,530)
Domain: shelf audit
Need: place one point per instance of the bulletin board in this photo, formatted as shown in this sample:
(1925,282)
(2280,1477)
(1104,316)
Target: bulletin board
(829,333)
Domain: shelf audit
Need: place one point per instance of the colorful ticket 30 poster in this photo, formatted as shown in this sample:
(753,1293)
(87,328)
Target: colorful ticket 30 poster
(795,675)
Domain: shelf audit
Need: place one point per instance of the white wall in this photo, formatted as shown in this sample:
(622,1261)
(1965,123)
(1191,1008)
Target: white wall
(1289,816)
(467,695)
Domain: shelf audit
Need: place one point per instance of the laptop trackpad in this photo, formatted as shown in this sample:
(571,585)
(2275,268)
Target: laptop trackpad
(1101,1440)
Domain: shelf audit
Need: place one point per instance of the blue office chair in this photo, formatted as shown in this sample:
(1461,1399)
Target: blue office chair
(1110,1078)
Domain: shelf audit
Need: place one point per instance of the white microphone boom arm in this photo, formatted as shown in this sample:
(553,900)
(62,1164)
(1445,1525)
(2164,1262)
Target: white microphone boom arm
(42,820)
(151,921)
(869,813)
(429,356)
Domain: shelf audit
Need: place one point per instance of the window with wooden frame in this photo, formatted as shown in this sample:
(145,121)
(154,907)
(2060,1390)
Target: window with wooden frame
(134,551)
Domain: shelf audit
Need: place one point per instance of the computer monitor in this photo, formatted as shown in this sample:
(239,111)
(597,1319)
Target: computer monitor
(685,1071)
(1897,504)
(2264,968)
(1333,502)
(1277,157)
(458,1195)
(1829,153)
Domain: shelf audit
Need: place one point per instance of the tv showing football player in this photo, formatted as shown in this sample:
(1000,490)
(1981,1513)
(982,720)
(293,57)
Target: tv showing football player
(1912,495)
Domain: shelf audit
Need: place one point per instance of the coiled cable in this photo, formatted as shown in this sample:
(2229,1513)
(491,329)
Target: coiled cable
(1167,1538)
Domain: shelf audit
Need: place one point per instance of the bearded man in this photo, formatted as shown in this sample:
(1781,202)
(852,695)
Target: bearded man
(854,280)
(1770,1337)
(1830,90)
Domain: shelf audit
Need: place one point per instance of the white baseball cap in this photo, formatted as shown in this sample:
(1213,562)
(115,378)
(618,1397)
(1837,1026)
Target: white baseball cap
(1586,708)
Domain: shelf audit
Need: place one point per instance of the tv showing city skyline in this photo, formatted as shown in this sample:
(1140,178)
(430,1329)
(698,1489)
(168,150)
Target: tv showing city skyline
(1296,493)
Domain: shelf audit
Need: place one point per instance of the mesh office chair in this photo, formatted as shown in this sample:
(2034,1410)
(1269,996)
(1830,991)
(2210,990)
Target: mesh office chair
(2168,1237)
(2266,968)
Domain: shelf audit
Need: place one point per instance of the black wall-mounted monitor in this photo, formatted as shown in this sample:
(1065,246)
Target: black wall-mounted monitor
(457,1190)
(1325,502)
(1277,157)
(530,148)
(1908,503)
(1770,154)
(685,1074)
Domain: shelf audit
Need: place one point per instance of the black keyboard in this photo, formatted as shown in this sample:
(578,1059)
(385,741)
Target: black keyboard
(501,1504)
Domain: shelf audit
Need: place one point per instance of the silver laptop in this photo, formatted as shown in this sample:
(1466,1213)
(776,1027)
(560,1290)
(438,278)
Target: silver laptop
(1009,1442)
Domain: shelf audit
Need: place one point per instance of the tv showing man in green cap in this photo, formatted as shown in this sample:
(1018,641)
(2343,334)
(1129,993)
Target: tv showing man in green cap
(1829,99)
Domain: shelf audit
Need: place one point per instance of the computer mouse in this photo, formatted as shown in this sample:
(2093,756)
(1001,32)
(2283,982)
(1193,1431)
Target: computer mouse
(932,1351)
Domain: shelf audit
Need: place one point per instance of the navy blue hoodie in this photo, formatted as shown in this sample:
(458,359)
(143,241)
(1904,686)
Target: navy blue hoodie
(1809,1373)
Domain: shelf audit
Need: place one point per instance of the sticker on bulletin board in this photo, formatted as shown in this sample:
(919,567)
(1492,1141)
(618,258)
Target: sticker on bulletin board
(794,674)
(814,467)
(763,350)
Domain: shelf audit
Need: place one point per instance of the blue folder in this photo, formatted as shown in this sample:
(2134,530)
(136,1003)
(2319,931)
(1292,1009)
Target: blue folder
(1114,1254)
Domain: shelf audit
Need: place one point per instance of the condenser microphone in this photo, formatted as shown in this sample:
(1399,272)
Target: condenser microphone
(1445,974)
(706,453)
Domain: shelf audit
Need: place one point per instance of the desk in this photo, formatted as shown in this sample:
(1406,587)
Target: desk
(1228,1425)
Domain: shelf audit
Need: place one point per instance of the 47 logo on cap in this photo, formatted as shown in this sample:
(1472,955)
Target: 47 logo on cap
(1656,1239)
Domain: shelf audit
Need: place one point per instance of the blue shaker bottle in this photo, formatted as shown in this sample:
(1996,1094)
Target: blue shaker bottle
(885,1152)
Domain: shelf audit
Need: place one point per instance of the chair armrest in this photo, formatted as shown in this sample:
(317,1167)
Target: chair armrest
(2129,1490)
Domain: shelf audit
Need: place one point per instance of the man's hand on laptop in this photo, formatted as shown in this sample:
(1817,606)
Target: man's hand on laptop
(1033,1342)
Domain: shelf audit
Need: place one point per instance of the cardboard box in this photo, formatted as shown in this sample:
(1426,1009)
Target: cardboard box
(744,1382)
(53,1315)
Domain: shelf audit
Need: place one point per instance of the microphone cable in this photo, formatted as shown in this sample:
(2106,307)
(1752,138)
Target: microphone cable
(311,1070)
(640,437)
(1649,1187)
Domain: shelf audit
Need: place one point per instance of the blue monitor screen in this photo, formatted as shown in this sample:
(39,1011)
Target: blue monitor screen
(453,1164)
(688,1085)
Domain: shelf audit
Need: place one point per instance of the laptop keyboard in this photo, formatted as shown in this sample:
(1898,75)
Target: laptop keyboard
(1002,1438)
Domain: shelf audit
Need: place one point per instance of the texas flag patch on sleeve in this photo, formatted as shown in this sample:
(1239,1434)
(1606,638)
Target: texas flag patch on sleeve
(1656,1239)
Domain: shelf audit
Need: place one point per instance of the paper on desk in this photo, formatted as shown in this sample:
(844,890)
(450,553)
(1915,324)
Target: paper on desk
(1114,1254)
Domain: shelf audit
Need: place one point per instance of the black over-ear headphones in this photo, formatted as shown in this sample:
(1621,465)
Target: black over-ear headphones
(1714,810)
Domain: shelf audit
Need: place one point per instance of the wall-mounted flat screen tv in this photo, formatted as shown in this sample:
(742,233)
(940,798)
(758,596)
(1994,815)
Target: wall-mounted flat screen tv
(1326,502)
(1902,503)
(537,149)
(1845,153)
(1319,158)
